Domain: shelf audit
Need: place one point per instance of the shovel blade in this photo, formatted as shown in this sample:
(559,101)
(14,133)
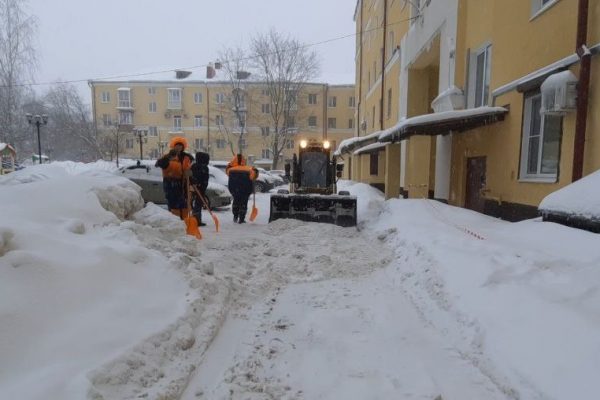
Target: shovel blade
(253,214)
(191,227)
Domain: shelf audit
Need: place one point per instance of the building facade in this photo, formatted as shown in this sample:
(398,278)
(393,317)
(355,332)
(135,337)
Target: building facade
(478,121)
(201,111)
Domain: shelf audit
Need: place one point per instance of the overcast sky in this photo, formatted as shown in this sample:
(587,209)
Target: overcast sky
(82,39)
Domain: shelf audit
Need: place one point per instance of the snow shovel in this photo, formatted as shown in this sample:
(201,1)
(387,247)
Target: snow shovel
(205,202)
(254,212)
(191,223)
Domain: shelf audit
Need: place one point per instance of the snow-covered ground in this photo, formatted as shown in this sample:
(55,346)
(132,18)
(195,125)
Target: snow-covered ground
(103,298)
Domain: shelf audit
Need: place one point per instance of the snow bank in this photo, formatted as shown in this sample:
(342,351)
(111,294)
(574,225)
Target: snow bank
(580,198)
(77,287)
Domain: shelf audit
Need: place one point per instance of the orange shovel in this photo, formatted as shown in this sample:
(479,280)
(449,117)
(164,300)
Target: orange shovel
(191,223)
(254,212)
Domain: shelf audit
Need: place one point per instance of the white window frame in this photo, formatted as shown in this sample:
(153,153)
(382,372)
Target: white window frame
(486,50)
(199,143)
(524,175)
(220,98)
(540,6)
(174,98)
(265,108)
(105,97)
(266,153)
(125,118)
(312,98)
(106,120)
(219,121)
(151,90)
(332,101)
(265,131)
(198,121)
(152,131)
(177,123)
(124,97)
(309,120)
(198,98)
(352,102)
(152,107)
(329,123)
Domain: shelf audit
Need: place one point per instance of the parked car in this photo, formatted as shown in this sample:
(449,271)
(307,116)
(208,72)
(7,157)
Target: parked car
(280,173)
(264,182)
(149,178)
(274,179)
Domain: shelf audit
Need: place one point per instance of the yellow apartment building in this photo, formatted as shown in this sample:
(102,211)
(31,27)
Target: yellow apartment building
(201,111)
(487,98)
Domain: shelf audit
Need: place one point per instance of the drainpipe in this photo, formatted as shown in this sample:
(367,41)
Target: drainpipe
(360,43)
(582,91)
(325,110)
(382,101)
(208,148)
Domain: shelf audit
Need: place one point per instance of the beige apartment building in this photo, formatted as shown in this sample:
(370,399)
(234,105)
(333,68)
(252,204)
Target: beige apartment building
(490,108)
(201,111)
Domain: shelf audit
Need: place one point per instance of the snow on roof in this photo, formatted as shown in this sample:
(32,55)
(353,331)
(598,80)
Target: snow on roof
(389,133)
(580,198)
(560,64)
(347,145)
(6,146)
(370,147)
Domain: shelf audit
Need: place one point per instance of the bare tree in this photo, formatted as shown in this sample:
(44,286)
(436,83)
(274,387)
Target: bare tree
(17,65)
(285,66)
(234,106)
(70,128)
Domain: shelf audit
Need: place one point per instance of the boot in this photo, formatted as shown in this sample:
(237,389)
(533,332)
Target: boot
(242,218)
(235,218)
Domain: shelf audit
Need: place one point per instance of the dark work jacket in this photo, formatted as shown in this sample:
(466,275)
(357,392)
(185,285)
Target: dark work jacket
(240,181)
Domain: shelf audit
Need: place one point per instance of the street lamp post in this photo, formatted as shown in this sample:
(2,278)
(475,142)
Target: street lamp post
(162,146)
(38,121)
(142,137)
(117,128)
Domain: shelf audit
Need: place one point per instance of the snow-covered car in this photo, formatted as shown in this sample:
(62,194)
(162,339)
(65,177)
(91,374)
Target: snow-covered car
(280,173)
(264,182)
(149,178)
(274,179)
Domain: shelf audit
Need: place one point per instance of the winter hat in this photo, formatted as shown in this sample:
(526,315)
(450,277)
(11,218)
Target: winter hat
(178,140)
(202,158)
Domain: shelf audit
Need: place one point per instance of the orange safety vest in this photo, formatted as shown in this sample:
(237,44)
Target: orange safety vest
(176,167)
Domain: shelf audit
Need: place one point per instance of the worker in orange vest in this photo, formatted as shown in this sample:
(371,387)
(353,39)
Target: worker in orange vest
(176,168)
(241,186)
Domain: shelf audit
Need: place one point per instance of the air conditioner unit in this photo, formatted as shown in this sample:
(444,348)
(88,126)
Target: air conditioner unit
(559,94)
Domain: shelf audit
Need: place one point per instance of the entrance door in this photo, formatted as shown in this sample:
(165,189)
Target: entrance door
(476,169)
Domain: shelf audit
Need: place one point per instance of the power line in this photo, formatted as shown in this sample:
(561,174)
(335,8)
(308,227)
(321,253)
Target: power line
(107,78)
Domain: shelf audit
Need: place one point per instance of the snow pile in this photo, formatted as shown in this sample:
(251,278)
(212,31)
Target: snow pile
(580,198)
(77,287)
(517,301)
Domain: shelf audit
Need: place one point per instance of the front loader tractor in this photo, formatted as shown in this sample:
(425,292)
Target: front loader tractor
(313,195)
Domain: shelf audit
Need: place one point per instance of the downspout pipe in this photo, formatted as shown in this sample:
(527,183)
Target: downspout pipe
(360,73)
(582,90)
(383,57)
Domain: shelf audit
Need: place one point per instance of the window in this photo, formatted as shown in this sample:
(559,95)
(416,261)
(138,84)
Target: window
(374,163)
(154,154)
(331,101)
(351,101)
(198,121)
(152,131)
(151,91)
(289,144)
(373,118)
(265,92)
(540,149)
(312,122)
(124,98)
(290,122)
(265,131)
(152,107)
(351,123)
(197,98)
(312,99)
(126,118)
(177,123)
(105,97)
(389,103)
(540,5)
(199,144)
(221,143)
(331,122)
(265,108)
(129,143)
(479,77)
(106,120)
(220,98)
(174,99)
(219,120)
(266,153)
